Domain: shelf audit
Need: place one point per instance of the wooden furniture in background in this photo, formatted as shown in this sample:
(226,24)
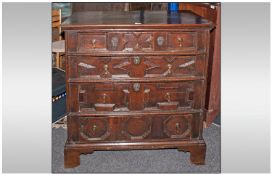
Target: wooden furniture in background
(56,21)
(130,6)
(135,80)
(212,12)
(58,47)
(97,6)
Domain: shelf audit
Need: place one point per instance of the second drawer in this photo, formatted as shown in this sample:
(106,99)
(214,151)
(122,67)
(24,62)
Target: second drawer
(136,66)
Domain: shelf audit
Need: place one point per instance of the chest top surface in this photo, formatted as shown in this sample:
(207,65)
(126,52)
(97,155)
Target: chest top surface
(135,19)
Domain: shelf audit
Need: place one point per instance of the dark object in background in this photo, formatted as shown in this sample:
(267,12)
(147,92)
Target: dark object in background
(173,6)
(132,6)
(58,94)
(97,6)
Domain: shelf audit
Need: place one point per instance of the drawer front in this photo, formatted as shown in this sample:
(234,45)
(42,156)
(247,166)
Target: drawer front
(136,96)
(131,41)
(89,42)
(176,41)
(136,66)
(136,127)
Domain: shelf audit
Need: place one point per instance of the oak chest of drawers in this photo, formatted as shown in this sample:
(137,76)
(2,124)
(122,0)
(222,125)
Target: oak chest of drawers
(135,80)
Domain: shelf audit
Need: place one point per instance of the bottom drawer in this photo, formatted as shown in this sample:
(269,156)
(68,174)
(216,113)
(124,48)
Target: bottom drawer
(134,127)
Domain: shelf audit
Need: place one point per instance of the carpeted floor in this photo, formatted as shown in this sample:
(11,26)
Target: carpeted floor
(139,161)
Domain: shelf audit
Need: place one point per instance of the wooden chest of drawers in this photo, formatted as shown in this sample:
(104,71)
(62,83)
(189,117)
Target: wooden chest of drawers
(135,80)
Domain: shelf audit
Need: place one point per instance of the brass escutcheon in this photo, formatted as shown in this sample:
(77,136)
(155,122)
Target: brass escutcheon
(136,87)
(137,60)
(160,40)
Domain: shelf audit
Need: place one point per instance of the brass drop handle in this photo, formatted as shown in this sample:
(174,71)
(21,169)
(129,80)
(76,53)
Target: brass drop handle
(177,127)
(93,43)
(94,128)
(169,68)
(180,40)
(106,69)
(137,60)
(167,96)
(136,87)
(104,98)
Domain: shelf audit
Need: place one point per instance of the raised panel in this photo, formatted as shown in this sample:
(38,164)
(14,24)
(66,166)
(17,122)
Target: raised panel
(171,66)
(92,128)
(178,126)
(89,42)
(138,41)
(170,96)
(182,41)
(102,97)
(115,41)
(136,127)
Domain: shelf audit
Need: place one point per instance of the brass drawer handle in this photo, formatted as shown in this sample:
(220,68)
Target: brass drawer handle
(177,127)
(167,96)
(137,60)
(106,73)
(93,43)
(180,40)
(106,69)
(136,87)
(94,128)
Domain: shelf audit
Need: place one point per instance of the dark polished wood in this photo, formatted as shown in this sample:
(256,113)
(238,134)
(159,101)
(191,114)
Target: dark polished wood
(132,19)
(136,86)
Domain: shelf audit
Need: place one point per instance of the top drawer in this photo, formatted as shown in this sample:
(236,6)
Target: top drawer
(127,42)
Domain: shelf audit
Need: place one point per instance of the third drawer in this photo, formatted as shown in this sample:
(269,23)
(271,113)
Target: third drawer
(136,96)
